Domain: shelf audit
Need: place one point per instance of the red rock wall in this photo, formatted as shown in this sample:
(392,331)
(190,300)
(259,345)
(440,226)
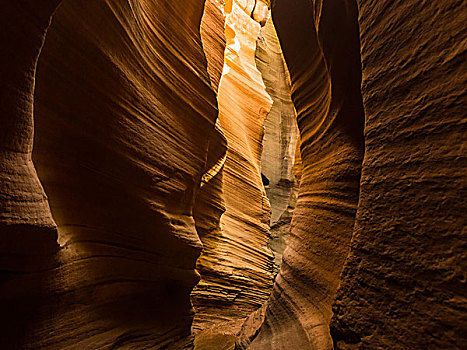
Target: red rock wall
(123,113)
(118,109)
(404,283)
(213,39)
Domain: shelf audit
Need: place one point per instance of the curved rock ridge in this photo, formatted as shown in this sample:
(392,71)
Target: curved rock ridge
(236,265)
(320,44)
(123,181)
(213,39)
(404,285)
(124,114)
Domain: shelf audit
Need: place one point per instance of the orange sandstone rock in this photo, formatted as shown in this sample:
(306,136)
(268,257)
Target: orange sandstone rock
(236,266)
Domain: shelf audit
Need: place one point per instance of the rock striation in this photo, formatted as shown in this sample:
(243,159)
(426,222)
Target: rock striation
(124,180)
(321,47)
(404,285)
(124,114)
(236,264)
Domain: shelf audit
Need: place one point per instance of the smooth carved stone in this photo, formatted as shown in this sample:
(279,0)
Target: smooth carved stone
(404,285)
(123,116)
(322,53)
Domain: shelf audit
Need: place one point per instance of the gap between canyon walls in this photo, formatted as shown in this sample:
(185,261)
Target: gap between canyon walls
(232,212)
(320,43)
(257,123)
(279,167)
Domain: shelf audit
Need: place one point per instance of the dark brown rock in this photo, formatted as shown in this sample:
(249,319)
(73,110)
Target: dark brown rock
(123,114)
(404,285)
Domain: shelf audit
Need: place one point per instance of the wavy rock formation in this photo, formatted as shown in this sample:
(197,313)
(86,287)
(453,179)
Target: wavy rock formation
(118,166)
(124,114)
(213,38)
(236,264)
(404,285)
(321,47)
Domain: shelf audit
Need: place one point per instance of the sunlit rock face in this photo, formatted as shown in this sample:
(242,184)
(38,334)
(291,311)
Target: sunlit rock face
(404,283)
(321,47)
(236,265)
(280,138)
(124,114)
(213,39)
(281,132)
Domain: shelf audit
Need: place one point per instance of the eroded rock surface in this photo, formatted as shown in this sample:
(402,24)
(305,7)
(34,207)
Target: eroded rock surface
(124,113)
(404,285)
(321,47)
(236,265)
(114,103)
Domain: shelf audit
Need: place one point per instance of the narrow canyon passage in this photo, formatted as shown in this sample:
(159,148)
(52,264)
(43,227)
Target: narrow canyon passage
(232,174)
(256,116)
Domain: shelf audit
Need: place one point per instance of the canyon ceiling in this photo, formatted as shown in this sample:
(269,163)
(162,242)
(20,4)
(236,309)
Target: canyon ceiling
(238,174)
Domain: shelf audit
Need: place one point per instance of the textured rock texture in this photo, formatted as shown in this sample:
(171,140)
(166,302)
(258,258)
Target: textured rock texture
(236,265)
(116,169)
(404,285)
(213,39)
(321,48)
(28,232)
(124,114)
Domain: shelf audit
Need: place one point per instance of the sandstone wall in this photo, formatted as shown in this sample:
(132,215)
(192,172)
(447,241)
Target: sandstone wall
(124,113)
(280,138)
(115,171)
(236,265)
(321,48)
(404,283)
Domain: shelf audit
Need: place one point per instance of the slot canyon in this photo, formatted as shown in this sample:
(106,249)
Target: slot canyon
(233,174)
